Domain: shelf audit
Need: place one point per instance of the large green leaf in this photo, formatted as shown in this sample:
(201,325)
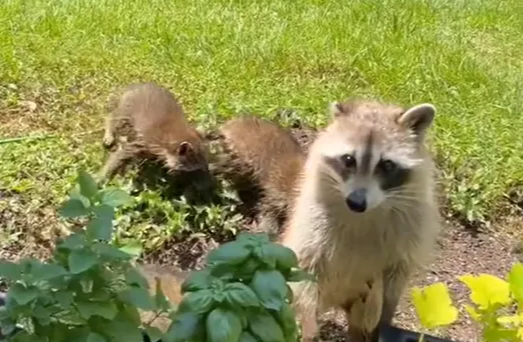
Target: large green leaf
(139,297)
(199,301)
(105,309)
(183,327)
(94,337)
(122,328)
(115,197)
(240,294)
(73,208)
(88,186)
(265,328)
(197,280)
(22,294)
(81,260)
(232,253)
(270,287)
(100,227)
(223,326)
(10,270)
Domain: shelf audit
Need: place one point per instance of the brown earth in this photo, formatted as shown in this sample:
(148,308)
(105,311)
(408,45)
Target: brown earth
(460,251)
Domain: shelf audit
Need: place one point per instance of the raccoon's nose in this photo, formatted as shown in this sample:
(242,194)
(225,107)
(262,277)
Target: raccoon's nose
(357,200)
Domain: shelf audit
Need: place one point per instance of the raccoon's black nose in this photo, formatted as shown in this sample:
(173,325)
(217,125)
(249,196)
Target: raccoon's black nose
(357,200)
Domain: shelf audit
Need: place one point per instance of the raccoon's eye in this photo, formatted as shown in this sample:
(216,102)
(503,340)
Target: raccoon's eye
(348,160)
(387,165)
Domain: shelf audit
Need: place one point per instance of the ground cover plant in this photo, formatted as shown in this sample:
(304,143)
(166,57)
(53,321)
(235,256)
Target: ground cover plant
(90,291)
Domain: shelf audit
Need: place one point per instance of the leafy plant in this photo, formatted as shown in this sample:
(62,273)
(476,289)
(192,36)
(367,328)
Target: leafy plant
(496,305)
(88,290)
(242,295)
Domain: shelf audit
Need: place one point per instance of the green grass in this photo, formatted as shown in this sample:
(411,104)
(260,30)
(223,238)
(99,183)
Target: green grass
(222,57)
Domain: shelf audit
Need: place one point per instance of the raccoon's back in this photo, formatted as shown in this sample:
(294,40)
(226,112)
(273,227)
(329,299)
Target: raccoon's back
(151,109)
(262,146)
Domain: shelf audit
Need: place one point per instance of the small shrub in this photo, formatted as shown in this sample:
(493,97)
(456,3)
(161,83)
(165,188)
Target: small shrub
(89,290)
(496,305)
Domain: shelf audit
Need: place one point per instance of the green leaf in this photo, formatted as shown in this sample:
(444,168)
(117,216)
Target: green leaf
(199,301)
(64,299)
(285,257)
(135,277)
(297,275)
(93,337)
(270,287)
(73,208)
(434,306)
(10,271)
(106,309)
(515,279)
(265,328)
(42,314)
(7,327)
(253,239)
(487,290)
(115,197)
(133,248)
(197,280)
(109,251)
(240,294)
(48,271)
(88,186)
(81,260)
(22,294)
(287,319)
(101,226)
(139,297)
(223,326)
(74,241)
(154,334)
(122,328)
(183,327)
(247,337)
(266,257)
(232,253)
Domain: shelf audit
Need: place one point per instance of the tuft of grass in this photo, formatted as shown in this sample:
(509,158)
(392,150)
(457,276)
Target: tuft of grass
(60,60)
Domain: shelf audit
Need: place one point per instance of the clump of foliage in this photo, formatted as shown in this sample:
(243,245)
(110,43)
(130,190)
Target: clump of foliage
(88,290)
(496,305)
(155,215)
(242,295)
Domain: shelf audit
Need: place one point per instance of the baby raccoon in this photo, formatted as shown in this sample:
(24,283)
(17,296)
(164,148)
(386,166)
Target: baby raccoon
(366,215)
(147,122)
(261,153)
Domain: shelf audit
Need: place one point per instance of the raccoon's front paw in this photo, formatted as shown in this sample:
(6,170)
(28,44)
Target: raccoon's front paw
(108,141)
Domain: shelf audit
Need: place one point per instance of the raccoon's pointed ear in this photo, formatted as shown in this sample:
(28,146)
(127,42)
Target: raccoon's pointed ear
(184,148)
(418,118)
(336,109)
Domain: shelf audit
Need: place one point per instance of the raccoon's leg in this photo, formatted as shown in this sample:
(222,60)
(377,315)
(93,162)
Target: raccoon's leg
(110,132)
(306,308)
(395,280)
(364,312)
(115,162)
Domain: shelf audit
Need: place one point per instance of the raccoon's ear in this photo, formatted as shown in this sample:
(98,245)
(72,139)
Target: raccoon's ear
(418,118)
(337,109)
(184,148)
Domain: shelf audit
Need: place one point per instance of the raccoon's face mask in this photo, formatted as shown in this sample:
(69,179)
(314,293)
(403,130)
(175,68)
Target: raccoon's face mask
(373,156)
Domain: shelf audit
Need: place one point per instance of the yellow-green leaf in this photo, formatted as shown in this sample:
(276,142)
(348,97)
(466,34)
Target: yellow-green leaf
(514,320)
(473,313)
(434,306)
(487,290)
(515,278)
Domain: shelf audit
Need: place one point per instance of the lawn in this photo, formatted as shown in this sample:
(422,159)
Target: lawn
(61,59)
